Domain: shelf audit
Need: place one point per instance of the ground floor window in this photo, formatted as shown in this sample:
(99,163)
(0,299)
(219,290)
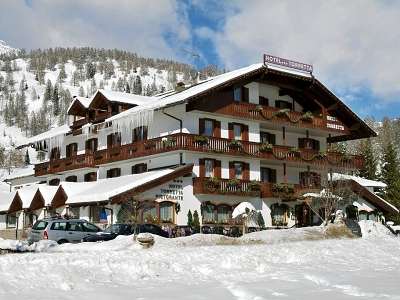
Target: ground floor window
(149,212)
(166,211)
(74,212)
(12,220)
(222,213)
(95,213)
(208,213)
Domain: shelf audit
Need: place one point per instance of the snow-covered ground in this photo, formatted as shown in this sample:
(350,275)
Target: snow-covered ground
(273,264)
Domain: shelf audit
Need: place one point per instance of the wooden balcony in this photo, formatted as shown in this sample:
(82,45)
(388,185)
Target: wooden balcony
(80,123)
(202,185)
(55,166)
(282,116)
(190,142)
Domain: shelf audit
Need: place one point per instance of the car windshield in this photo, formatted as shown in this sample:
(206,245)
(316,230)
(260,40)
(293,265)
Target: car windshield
(40,225)
(116,228)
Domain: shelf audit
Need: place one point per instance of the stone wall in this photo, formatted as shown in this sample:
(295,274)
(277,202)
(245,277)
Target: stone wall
(11,234)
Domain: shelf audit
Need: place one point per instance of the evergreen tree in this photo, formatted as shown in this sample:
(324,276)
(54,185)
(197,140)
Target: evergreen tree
(27,159)
(62,75)
(190,218)
(75,78)
(196,220)
(390,174)
(90,70)
(48,92)
(370,161)
(260,220)
(56,102)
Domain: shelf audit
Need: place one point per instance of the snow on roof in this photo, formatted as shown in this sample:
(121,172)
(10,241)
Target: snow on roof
(125,97)
(53,137)
(362,181)
(99,191)
(47,192)
(82,100)
(26,194)
(5,200)
(143,114)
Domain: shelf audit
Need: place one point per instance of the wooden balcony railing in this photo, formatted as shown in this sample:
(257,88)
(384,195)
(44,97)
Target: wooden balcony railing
(190,142)
(79,123)
(252,111)
(65,164)
(202,185)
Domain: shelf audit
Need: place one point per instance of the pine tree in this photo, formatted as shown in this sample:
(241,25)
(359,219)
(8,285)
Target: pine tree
(62,75)
(56,102)
(370,161)
(390,174)
(196,220)
(190,218)
(48,92)
(27,159)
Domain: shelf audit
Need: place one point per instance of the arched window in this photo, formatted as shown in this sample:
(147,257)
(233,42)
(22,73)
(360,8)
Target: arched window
(149,210)
(373,216)
(223,212)
(166,211)
(362,215)
(208,213)
(279,214)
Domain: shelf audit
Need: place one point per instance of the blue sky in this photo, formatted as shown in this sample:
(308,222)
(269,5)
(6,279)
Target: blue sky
(353,45)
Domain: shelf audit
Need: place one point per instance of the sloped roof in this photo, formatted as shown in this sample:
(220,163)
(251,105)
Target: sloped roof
(52,136)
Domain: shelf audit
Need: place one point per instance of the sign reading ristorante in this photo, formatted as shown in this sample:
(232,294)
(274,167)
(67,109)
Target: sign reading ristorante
(287,63)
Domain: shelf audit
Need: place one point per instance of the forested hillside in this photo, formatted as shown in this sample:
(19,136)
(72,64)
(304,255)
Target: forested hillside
(36,89)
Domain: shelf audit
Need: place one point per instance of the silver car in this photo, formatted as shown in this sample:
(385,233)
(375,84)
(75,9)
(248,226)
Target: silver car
(62,230)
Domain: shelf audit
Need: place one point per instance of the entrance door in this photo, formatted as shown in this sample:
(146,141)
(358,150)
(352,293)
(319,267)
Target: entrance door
(304,215)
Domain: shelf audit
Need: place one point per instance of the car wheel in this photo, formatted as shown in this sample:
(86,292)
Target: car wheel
(62,242)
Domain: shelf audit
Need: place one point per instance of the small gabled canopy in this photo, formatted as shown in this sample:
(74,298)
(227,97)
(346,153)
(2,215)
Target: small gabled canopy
(5,200)
(42,197)
(22,199)
(79,106)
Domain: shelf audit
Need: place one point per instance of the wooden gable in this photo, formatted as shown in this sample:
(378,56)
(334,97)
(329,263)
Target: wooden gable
(16,204)
(37,201)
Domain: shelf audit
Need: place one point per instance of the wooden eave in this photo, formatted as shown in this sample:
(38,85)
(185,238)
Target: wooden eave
(59,199)
(77,109)
(366,194)
(179,172)
(37,201)
(16,204)
(99,102)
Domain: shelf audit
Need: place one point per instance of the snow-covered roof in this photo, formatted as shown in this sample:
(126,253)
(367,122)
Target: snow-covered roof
(26,194)
(362,181)
(99,191)
(125,97)
(53,137)
(5,200)
(47,192)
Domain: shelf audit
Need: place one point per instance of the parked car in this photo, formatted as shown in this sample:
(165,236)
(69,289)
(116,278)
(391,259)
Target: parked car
(124,229)
(62,230)
(353,226)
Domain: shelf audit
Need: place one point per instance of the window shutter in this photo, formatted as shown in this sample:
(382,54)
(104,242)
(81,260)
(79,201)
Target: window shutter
(272,138)
(273,175)
(217,171)
(75,145)
(96,140)
(67,150)
(301,143)
(133,170)
(316,145)
(246,172)
(231,170)
(217,129)
(109,141)
(230,130)
(108,174)
(245,94)
(145,129)
(202,127)
(245,133)
(202,170)
(118,172)
(144,167)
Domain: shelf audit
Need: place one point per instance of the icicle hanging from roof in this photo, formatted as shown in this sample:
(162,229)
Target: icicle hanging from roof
(130,121)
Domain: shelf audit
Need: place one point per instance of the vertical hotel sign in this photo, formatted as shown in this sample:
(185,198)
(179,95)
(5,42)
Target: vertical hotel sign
(287,63)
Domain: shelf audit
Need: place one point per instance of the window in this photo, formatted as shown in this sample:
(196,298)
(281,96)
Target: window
(372,216)
(362,215)
(91,145)
(279,214)
(209,167)
(238,131)
(30,219)
(266,137)
(263,101)
(90,177)
(74,212)
(12,220)
(210,127)
(308,144)
(223,212)
(54,181)
(72,178)
(95,212)
(208,213)
(114,140)
(139,134)
(241,94)
(166,211)
(115,172)
(71,150)
(139,168)
(267,175)
(239,170)
(55,153)
(116,108)
(149,212)
(283,104)
(309,179)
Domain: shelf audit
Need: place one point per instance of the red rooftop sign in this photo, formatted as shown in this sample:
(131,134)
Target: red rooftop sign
(287,63)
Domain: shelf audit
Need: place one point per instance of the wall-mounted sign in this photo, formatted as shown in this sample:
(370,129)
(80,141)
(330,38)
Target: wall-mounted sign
(333,126)
(287,63)
(173,191)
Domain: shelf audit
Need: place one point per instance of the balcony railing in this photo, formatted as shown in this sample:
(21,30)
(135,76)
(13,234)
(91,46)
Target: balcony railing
(202,185)
(65,164)
(191,142)
(247,110)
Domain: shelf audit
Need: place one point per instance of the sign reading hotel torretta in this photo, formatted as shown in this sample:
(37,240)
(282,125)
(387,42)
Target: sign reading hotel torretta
(287,63)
